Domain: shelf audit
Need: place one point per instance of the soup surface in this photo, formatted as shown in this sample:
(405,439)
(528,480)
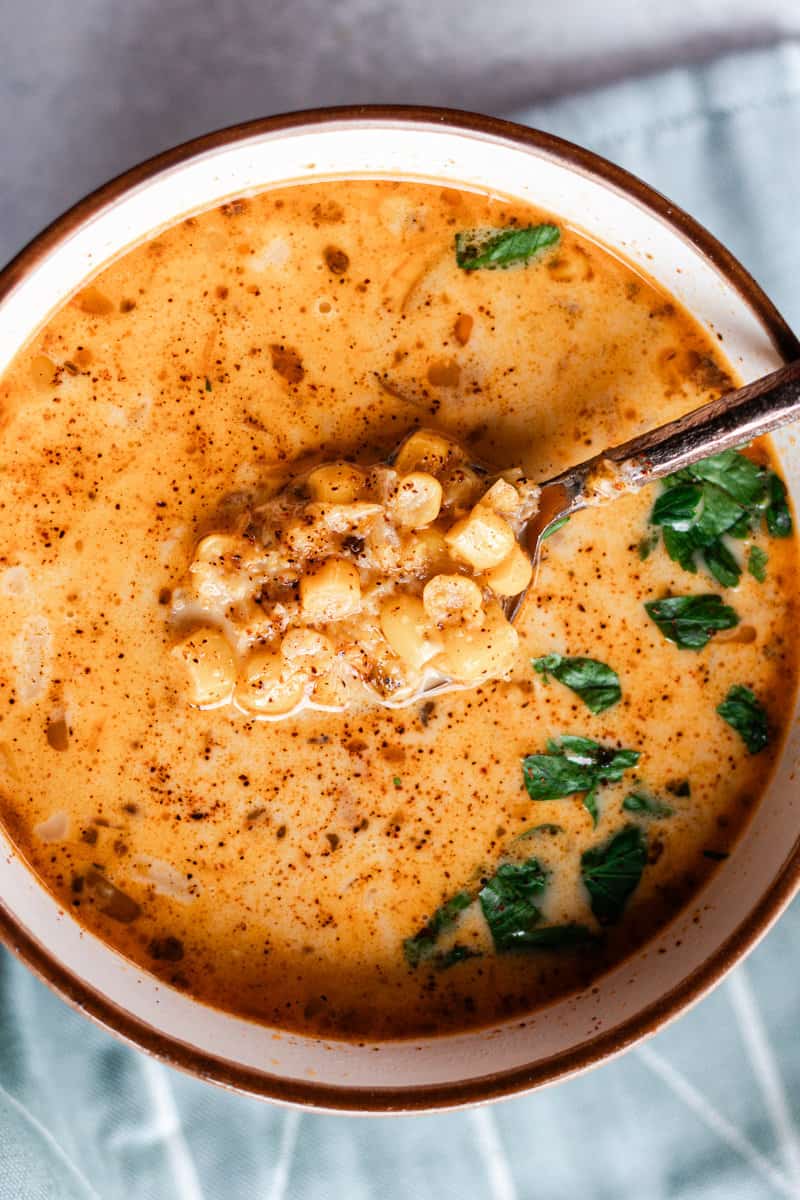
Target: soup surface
(376,872)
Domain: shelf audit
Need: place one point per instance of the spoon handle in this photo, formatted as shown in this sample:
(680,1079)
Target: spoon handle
(732,420)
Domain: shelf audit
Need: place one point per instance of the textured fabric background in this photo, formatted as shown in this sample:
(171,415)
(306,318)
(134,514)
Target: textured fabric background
(87,88)
(707,1110)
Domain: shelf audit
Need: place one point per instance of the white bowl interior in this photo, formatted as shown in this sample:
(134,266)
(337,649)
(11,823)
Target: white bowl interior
(387,147)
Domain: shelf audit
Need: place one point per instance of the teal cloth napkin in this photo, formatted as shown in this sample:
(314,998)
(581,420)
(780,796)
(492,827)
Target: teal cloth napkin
(707,1110)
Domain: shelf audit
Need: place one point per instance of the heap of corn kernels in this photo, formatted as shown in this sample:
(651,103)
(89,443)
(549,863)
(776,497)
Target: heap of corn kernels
(358,584)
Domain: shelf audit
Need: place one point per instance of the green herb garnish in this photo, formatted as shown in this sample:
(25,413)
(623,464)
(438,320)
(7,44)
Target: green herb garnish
(640,802)
(545,827)
(779,515)
(647,545)
(611,872)
(208,384)
(555,937)
(456,954)
(722,564)
(678,507)
(572,765)
(747,715)
(595,682)
(476,248)
(508,902)
(550,529)
(397,781)
(423,944)
(735,473)
(724,496)
(757,561)
(680,549)
(691,621)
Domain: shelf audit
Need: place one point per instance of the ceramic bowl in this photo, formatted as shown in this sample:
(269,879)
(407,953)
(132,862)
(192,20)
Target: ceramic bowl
(742,898)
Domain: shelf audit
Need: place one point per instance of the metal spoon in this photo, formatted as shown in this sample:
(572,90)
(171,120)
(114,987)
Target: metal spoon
(732,420)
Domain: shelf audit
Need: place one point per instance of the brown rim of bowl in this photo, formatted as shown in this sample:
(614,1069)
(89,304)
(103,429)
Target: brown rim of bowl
(494,1086)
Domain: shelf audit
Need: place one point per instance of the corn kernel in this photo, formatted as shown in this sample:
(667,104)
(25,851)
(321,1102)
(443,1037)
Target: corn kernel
(503,497)
(426,551)
(426,451)
(473,654)
(417,500)
(405,626)
(331,591)
(308,649)
(513,574)
(210,664)
(269,686)
(460,487)
(482,539)
(216,545)
(335,483)
(450,598)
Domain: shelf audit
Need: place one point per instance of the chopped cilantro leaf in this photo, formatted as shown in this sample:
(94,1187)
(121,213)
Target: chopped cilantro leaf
(757,561)
(647,545)
(744,526)
(508,902)
(718,513)
(740,477)
(747,715)
(555,937)
(572,765)
(779,515)
(727,494)
(678,507)
(680,548)
(640,802)
(691,621)
(493,248)
(550,529)
(595,682)
(456,954)
(423,944)
(611,872)
(545,827)
(553,776)
(722,564)
(590,804)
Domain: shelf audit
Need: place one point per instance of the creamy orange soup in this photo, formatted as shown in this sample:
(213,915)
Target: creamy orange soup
(376,872)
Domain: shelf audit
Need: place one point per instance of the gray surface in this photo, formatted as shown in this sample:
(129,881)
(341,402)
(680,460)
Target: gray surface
(89,87)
